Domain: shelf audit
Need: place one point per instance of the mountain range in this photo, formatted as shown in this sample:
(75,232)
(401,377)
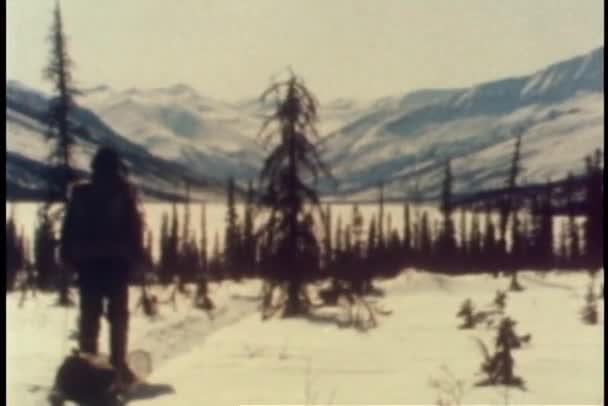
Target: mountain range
(174,135)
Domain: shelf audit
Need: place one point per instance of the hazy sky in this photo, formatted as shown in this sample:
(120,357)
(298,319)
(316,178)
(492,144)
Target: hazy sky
(342,48)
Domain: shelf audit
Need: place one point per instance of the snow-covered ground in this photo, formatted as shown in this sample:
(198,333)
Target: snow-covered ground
(238,359)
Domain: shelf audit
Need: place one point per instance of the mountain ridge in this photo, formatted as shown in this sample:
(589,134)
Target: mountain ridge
(401,140)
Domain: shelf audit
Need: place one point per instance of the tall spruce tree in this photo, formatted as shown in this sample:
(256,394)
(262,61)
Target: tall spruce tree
(357,232)
(188,256)
(563,255)
(426,244)
(203,244)
(508,207)
(339,241)
(164,268)
(288,177)
(475,243)
(536,232)
(249,243)
(407,229)
(573,240)
(372,239)
(216,262)
(173,246)
(594,213)
(61,132)
(328,251)
(232,242)
(44,252)
(13,253)
(546,238)
(381,242)
(490,244)
(446,238)
(464,249)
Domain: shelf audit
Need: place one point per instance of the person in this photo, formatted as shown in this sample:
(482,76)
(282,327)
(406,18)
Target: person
(102,240)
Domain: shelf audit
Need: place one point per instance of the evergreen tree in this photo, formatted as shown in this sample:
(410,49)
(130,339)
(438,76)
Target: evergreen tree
(381,238)
(594,213)
(164,255)
(572,227)
(425,245)
(464,249)
(372,240)
(44,252)
(173,247)
(499,366)
(339,244)
(187,251)
(357,232)
(61,132)
(475,244)
(249,244)
(148,260)
(545,237)
(328,252)
(348,244)
(526,240)
(216,263)
(407,233)
(589,312)
(489,244)
(14,253)
(204,257)
(563,255)
(446,238)
(232,243)
(286,189)
(61,129)
(508,207)
(517,253)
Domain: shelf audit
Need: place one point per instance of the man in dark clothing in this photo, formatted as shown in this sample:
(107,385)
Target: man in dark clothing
(102,241)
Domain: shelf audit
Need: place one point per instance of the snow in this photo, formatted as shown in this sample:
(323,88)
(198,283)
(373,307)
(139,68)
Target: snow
(238,359)
(532,83)
(587,60)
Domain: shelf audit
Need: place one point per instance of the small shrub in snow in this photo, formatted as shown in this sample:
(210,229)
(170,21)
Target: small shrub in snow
(498,367)
(148,303)
(515,285)
(589,311)
(467,313)
(201,297)
(471,317)
(500,300)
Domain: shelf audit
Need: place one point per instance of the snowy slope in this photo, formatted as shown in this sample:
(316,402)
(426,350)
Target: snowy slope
(239,359)
(179,124)
(559,110)
(27,151)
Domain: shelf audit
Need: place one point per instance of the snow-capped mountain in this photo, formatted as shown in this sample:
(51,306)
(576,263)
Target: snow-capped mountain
(27,152)
(178,124)
(402,141)
(559,111)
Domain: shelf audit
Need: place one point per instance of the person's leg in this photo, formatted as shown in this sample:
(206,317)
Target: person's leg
(91,307)
(118,316)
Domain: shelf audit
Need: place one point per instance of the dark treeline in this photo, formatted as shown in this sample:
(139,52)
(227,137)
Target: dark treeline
(352,252)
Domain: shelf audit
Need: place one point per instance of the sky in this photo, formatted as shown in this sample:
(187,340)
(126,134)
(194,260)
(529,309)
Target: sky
(361,49)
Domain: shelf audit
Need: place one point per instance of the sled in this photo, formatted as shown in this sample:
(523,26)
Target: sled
(90,380)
